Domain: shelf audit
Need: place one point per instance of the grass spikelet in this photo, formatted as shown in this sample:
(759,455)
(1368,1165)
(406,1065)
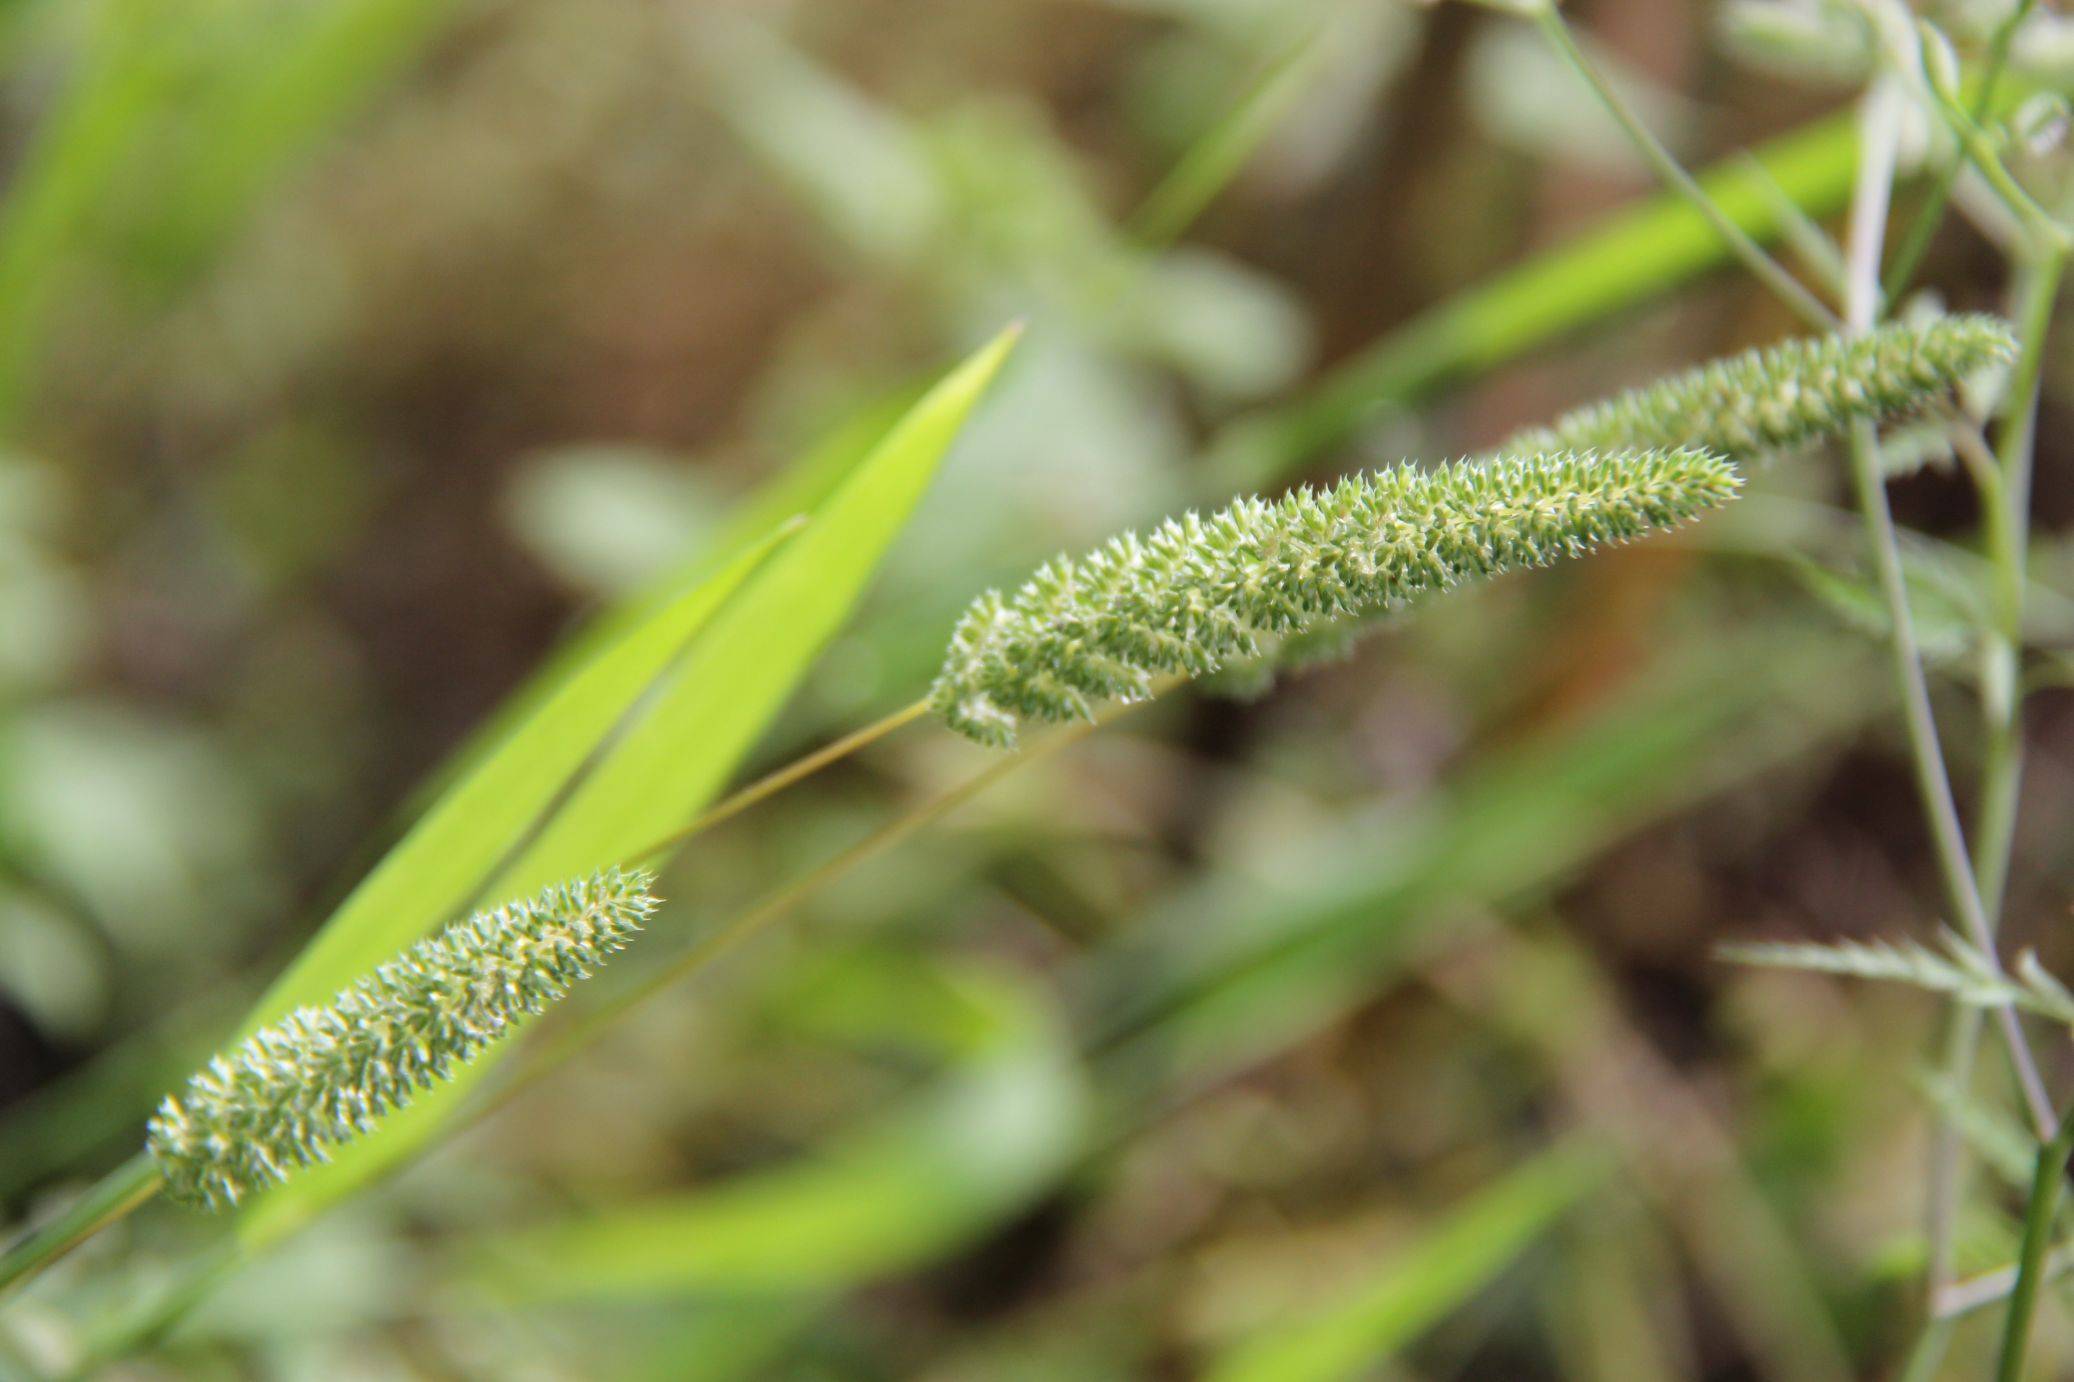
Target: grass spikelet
(1781,397)
(1199,593)
(1957,970)
(320,1076)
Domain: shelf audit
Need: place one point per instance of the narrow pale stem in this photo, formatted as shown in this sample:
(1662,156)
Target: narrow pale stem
(1926,752)
(2040,290)
(2005,502)
(1979,1292)
(2007,529)
(779,780)
(1774,276)
(2047,1186)
(774,907)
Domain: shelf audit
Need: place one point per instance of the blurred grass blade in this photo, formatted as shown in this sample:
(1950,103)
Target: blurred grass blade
(1631,258)
(72,157)
(271,108)
(897,1193)
(704,718)
(200,108)
(722,1340)
(1474,1243)
(1221,153)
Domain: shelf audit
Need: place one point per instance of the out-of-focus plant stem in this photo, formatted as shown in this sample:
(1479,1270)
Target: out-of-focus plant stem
(1933,783)
(1916,241)
(2047,1186)
(2007,527)
(2006,523)
(1789,289)
(1879,133)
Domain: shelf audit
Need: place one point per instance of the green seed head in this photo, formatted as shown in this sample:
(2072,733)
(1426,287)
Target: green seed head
(1199,593)
(1785,396)
(317,1078)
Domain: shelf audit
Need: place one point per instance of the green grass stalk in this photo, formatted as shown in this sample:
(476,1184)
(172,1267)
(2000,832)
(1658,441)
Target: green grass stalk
(2048,1186)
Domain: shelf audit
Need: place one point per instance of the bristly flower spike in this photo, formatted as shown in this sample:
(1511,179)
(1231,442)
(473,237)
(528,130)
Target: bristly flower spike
(1197,594)
(287,1094)
(1781,397)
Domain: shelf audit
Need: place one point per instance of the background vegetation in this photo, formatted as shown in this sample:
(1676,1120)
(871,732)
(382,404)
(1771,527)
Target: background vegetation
(356,356)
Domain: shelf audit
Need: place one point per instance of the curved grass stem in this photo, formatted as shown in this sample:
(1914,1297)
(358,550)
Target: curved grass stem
(1790,290)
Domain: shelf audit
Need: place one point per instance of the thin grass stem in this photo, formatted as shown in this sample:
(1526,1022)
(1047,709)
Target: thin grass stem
(778,780)
(778,904)
(1549,18)
(2004,483)
(2006,525)
(1926,752)
(2047,1187)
